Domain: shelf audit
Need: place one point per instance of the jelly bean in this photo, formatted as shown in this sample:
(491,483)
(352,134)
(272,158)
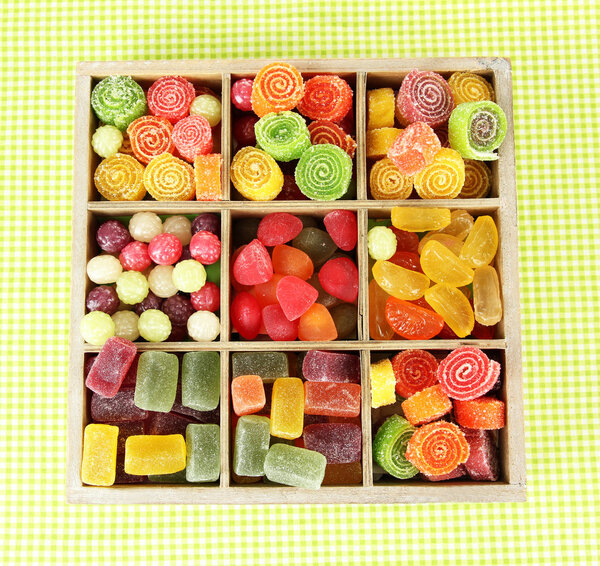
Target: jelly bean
(266,293)
(453,306)
(246,315)
(241,91)
(342,226)
(411,321)
(287,408)
(171,97)
(291,261)
(326,97)
(339,278)
(118,100)
(99,460)
(278,228)
(442,266)
(317,324)
(316,243)
(345,318)
(277,86)
(247,394)
(481,244)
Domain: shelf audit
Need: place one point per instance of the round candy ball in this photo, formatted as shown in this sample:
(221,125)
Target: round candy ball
(241,93)
(205,247)
(104,269)
(208,298)
(160,281)
(112,236)
(150,302)
(189,276)
(179,226)
(208,106)
(154,326)
(209,222)
(203,326)
(178,309)
(132,287)
(126,325)
(107,141)
(164,249)
(243,130)
(103,299)
(382,243)
(134,257)
(97,327)
(143,226)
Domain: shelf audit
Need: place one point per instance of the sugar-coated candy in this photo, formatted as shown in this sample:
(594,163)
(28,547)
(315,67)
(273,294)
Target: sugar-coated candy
(203,455)
(458,472)
(324,131)
(132,287)
(102,298)
(338,367)
(381,243)
(111,366)
(442,134)
(379,329)
(269,365)
(383,384)
(99,461)
(189,276)
(252,436)
(296,467)
(247,394)
(444,178)
(340,443)
(126,325)
(243,130)
(255,174)
(154,326)
(482,464)
(179,226)
(200,380)
(317,324)
(345,318)
(278,228)
(176,478)
(166,423)
(277,325)
(277,87)
(117,409)
(476,129)
(400,282)
(120,177)
(326,97)
(453,306)
(414,370)
(170,97)
(266,293)
(207,106)
(112,236)
(478,180)
(411,219)
(107,140)
(96,328)
(283,135)
(155,454)
(469,87)
(379,141)
(241,93)
(150,136)
(380,108)
(143,226)
(342,226)
(295,296)
(487,303)
(205,247)
(246,315)
(156,383)
(118,101)
(443,266)
(192,136)
(389,447)
(414,148)
(486,413)
(319,245)
(207,173)
(203,326)
(178,309)
(426,405)
(253,265)
(168,178)
(160,281)
(331,399)
(287,408)
(343,474)
(412,321)
(339,278)
(127,429)
(104,269)
(324,172)
(481,244)
(292,261)
(386,182)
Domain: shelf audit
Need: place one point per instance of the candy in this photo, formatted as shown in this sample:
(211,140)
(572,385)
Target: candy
(476,129)
(120,408)
(278,228)
(189,276)
(295,296)
(112,236)
(287,408)
(103,299)
(269,365)
(478,180)
(200,380)
(381,243)
(424,96)
(411,219)
(406,241)
(277,325)
(407,260)
(203,326)
(427,405)
(99,461)
(178,309)
(243,130)
(283,135)
(246,315)
(176,478)
(207,106)
(208,298)
(379,329)
(323,131)
(291,261)
(255,174)
(103,269)
(442,134)
(339,278)
(118,101)
(166,423)
(241,92)
(412,321)
(324,298)
(318,244)
(96,328)
(247,394)
(160,281)
(170,97)
(155,454)
(126,145)
(400,282)
(414,148)
(453,306)
(452,243)
(150,136)
(180,227)
(326,97)
(107,140)
(251,445)
(154,326)
(208,222)
(386,182)
(205,247)
(207,174)
(266,293)
(168,178)
(253,265)
(296,467)
(414,370)
(442,266)
(343,474)
(380,108)
(165,249)
(482,413)
(389,447)
(340,443)
(324,172)
(458,472)
(345,318)
(132,287)
(331,399)
(379,141)
(461,223)
(383,384)
(156,383)
(444,178)
(486,296)
(469,87)
(192,136)
(481,244)
(317,324)
(335,367)
(202,452)
(120,177)
(126,325)
(276,87)
(482,463)
(143,226)
(342,226)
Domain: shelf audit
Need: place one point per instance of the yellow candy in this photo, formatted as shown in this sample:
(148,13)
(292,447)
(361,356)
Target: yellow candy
(486,296)
(453,306)
(381,105)
(379,141)
(383,384)
(413,219)
(469,87)
(460,225)
(120,177)
(399,282)
(168,178)
(255,174)
(444,178)
(442,266)
(154,454)
(451,242)
(481,244)
(99,463)
(478,179)
(287,408)
(387,183)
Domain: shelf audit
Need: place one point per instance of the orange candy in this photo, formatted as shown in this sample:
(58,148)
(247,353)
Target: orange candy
(247,394)
(266,293)
(482,413)
(317,324)
(207,172)
(326,97)
(414,148)
(292,261)
(426,406)
(276,87)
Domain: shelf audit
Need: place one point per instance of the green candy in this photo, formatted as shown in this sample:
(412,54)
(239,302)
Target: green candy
(201,380)
(156,384)
(476,129)
(252,437)
(389,447)
(118,101)
(324,172)
(283,135)
(203,452)
(298,467)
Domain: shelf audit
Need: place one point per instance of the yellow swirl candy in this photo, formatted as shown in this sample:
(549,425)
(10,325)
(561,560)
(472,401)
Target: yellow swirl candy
(387,183)
(478,179)
(444,178)
(255,174)
(469,87)
(169,178)
(120,177)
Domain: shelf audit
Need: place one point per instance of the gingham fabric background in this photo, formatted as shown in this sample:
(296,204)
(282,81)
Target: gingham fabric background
(556,64)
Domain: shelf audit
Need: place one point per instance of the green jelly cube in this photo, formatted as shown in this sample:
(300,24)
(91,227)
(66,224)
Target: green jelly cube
(177,477)
(269,365)
(294,466)
(201,380)
(252,436)
(156,384)
(203,452)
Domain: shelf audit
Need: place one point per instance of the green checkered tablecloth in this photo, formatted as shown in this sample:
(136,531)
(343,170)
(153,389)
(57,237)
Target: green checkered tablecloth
(554,50)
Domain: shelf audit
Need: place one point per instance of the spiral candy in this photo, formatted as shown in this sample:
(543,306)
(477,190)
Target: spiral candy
(324,172)
(444,178)
(324,131)
(192,136)
(389,447)
(326,97)
(255,174)
(283,135)
(126,148)
(414,148)
(170,97)
(150,136)
(478,180)
(415,370)
(118,101)
(168,178)
(119,177)
(276,87)
(387,183)
(469,87)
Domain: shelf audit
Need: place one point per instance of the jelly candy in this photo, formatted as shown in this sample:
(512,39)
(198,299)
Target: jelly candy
(294,466)
(316,243)
(276,87)
(111,367)
(379,329)
(266,293)
(278,228)
(414,371)
(203,454)
(486,296)
(207,176)
(400,282)
(107,140)
(426,405)
(446,240)
(414,148)
(243,131)
(317,324)
(247,394)
(150,136)
(343,474)
(277,325)
(292,261)
(335,367)
(166,423)
(458,472)
(442,266)
(170,97)
(118,101)
(379,141)
(442,134)
(461,223)
(155,454)
(287,408)
(380,108)
(255,174)
(478,180)
(340,443)
(246,315)
(295,296)
(389,447)
(331,399)
(469,87)
(112,236)
(324,172)
(405,241)
(411,219)
(381,243)
(176,478)
(283,135)
(168,178)
(156,383)
(386,182)
(290,190)
(481,413)
(269,365)
(103,298)
(119,408)
(444,178)
(345,318)
(203,326)
(253,265)
(241,92)
(482,463)
(96,328)
(453,306)
(200,380)
(407,260)
(412,321)
(481,244)
(120,177)
(99,461)
(324,298)
(326,97)
(342,226)
(339,278)
(383,384)
(323,131)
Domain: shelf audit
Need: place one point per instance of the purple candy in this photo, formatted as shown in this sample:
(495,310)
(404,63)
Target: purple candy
(331,366)
(178,309)
(339,443)
(207,221)
(166,423)
(117,409)
(150,302)
(103,298)
(185,253)
(112,236)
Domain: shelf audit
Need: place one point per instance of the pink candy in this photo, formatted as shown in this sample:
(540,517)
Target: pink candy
(111,366)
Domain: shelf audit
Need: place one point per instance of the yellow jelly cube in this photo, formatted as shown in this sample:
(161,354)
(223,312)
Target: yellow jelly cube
(383,384)
(400,282)
(154,454)
(481,244)
(99,463)
(453,306)
(412,219)
(379,141)
(380,108)
(287,408)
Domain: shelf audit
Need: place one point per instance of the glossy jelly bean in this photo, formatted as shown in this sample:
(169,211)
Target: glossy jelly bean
(246,315)
(411,219)
(339,278)
(278,228)
(291,261)
(317,324)
(481,244)
(295,296)
(253,265)
(486,296)
(345,318)
(412,321)
(277,325)
(400,282)
(342,226)
(316,243)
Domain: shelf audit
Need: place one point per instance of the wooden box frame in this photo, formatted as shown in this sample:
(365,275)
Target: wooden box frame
(502,204)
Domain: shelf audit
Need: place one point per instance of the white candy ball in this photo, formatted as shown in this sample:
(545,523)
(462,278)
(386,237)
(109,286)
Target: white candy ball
(143,226)
(161,281)
(104,269)
(179,226)
(203,326)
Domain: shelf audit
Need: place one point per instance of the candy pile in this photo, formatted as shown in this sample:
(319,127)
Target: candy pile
(279,155)
(440,285)
(148,424)
(148,140)
(432,136)
(295,432)
(156,280)
(292,279)
(457,388)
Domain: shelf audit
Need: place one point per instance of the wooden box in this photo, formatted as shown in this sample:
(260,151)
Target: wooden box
(88,209)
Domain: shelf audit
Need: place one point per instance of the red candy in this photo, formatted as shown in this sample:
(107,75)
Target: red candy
(278,228)
(341,225)
(165,249)
(411,321)
(277,325)
(243,130)
(331,399)
(246,315)
(339,278)
(241,91)
(406,241)
(192,136)
(170,97)
(134,257)
(205,247)
(253,265)
(408,260)
(415,370)
(323,131)
(208,298)
(482,463)
(290,190)
(111,366)
(295,296)
(326,97)
(331,366)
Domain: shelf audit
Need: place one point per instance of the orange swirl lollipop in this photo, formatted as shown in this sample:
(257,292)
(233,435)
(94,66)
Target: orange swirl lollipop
(169,178)
(326,97)
(119,177)
(276,87)
(324,131)
(150,136)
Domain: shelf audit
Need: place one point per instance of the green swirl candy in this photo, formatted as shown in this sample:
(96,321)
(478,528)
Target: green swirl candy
(389,447)
(324,172)
(283,135)
(476,129)
(118,101)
